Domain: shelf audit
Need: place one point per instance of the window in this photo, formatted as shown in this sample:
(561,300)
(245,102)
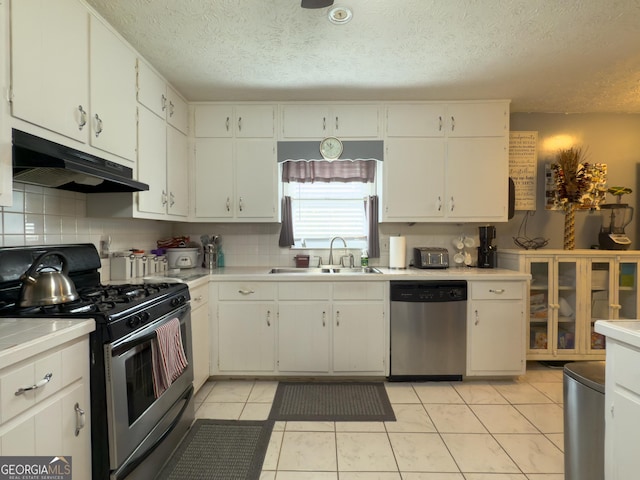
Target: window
(323,210)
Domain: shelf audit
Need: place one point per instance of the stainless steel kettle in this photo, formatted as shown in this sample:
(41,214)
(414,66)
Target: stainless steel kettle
(46,285)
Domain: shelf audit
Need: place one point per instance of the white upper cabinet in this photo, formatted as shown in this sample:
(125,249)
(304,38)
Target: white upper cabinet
(240,121)
(477,119)
(49,65)
(177,173)
(435,155)
(235,168)
(160,98)
(177,110)
(416,120)
(113,92)
(152,161)
(321,120)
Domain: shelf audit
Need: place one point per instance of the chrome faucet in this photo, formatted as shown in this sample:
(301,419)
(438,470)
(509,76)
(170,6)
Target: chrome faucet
(331,248)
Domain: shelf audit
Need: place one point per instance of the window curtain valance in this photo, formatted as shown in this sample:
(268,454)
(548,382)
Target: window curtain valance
(345,171)
(352,150)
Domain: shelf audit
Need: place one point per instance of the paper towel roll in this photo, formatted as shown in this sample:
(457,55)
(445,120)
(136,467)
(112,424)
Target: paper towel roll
(397,252)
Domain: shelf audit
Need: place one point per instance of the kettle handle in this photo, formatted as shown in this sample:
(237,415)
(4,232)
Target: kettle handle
(36,263)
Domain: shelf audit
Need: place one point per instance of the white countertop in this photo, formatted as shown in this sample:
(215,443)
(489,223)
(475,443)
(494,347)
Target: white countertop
(196,276)
(624,331)
(21,338)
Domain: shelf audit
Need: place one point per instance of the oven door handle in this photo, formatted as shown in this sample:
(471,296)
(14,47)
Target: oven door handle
(147,333)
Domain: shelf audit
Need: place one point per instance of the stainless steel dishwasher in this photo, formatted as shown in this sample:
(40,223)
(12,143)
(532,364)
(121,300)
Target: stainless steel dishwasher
(428,330)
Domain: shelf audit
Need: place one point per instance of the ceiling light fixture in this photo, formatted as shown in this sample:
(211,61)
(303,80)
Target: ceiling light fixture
(340,15)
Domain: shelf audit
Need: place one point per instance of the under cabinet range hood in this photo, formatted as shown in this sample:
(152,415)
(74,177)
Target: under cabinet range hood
(41,162)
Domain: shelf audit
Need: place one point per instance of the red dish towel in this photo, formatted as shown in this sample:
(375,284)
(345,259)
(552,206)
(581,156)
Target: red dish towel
(167,354)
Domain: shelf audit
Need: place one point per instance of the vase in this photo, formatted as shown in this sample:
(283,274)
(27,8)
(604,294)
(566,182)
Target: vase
(570,227)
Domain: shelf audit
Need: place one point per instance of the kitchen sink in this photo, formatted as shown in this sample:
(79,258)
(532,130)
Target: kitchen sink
(327,269)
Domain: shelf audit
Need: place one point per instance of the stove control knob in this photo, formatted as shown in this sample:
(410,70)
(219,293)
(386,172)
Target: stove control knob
(177,301)
(134,321)
(144,317)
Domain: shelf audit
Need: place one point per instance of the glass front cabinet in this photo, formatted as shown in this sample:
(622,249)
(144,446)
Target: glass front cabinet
(568,292)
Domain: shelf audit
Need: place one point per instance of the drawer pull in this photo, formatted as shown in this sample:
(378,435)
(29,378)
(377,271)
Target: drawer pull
(268,318)
(246,292)
(79,418)
(198,298)
(496,290)
(41,383)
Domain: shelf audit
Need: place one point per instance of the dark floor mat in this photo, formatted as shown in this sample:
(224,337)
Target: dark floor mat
(324,401)
(220,450)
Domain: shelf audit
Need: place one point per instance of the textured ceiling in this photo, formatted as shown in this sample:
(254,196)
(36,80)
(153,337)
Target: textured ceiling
(544,55)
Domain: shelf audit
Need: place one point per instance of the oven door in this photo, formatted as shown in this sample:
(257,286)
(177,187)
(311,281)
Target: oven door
(133,411)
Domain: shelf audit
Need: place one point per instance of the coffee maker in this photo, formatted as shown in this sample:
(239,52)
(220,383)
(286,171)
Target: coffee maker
(487,252)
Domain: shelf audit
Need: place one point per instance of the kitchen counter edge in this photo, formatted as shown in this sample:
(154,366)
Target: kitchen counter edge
(623,331)
(198,276)
(22,338)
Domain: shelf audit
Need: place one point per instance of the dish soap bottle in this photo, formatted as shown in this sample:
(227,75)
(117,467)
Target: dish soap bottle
(220,257)
(364,258)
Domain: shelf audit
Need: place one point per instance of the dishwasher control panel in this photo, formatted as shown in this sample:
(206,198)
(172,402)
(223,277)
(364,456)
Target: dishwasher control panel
(429,291)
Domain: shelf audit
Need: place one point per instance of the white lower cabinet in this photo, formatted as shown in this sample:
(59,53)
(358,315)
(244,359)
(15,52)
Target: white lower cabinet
(52,420)
(496,328)
(200,333)
(303,336)
(293,328)
(246,334)
(358,337)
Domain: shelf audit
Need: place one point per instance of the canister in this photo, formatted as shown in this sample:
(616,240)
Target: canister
(122,266)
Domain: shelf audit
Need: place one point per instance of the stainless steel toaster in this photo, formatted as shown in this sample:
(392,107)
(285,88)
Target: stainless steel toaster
(430,257)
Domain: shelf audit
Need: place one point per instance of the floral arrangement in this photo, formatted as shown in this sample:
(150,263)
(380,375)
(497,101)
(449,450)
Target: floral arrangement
(578,184)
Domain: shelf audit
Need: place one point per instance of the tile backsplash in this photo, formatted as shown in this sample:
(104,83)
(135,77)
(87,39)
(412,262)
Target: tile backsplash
(46,216)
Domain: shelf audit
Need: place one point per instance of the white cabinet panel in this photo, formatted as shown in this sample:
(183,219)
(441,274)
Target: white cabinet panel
(213,176)
(358,337)
(413,187)
(256,173)
(320,120)
(49,65)
(177,173)
(177,111)
(152,89)
(303,337)
(113,92)
(476,179)
(416,120)
(152,162)
(246,337)
(486,119)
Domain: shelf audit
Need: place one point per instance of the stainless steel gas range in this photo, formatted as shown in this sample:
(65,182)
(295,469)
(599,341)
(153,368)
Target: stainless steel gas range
(135,426)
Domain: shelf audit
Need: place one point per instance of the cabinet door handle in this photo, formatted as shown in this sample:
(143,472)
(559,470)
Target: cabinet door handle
(453,123)
(268,318)
(337,318)
(440,123)
(164,102)
(337,125)
(35,386)
(79,418)
(453,205)
(171,108)
(228,204)
(324,318)
(172,199)
(226,124)
(477,318)
(239,124)
(240,204)
(439,203)
(98,125)
(324,123)
(497,291)
(83,117)
(163,198)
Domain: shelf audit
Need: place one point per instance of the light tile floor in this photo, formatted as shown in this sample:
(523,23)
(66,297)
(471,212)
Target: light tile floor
(471,430)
